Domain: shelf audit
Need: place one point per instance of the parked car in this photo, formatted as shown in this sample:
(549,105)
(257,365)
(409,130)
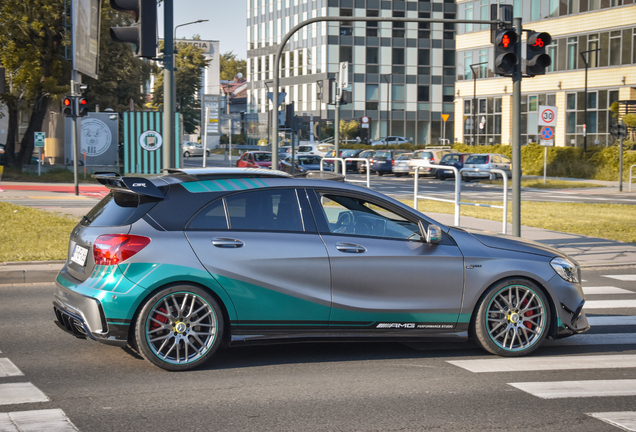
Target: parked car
(401,165)
(487,161)
(383,161)
(193,149)
(352,166)
(368,155)
(452,159)
(319,149)
(303,163)
(428,156)
(180,263)
(391,140)
(255,159)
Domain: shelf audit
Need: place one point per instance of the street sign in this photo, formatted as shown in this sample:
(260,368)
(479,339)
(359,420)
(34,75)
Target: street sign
(547,116)
(343,75)
(365,122)
(547,133)
(445,117)
(547,143)
(281,97)
(38,139)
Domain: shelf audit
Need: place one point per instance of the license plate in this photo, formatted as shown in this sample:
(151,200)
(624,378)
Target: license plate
(79,255)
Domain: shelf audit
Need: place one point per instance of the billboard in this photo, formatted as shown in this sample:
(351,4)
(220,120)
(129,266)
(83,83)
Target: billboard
(86,22)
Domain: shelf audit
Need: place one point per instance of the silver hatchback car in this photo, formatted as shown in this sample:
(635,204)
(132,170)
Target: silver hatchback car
(176,265)
(486,161)
(193,149)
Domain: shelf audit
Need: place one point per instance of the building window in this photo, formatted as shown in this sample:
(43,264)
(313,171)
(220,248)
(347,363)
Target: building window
(468,59)
(449,58)
(346,54)
(469,16)
(398,56)
(615,48)
(552,52)
(592,56)
(535,10)
(398,27)
(449,94)
(423,94)
(572,52)
(424,29)
(372,26)
(484,11)
(346,27)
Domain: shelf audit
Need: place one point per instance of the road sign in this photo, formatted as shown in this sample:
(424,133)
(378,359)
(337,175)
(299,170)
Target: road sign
(365,122)
(39,139)
(547,133)
(445,117)
(343,75)
(547,116)
(547,143)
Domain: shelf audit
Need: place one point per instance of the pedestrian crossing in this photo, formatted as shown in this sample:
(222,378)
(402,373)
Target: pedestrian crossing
(616,332)
(18,393)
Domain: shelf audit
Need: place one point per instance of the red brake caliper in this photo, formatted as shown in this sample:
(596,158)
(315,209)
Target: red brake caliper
(527,314)
(159,318)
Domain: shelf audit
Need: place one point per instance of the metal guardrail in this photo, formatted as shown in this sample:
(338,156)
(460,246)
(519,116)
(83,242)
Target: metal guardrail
(457,201)
(344,170)
(630,177)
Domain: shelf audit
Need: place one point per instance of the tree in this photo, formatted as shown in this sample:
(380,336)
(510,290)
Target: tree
(190,65)
(231,66)
(31,50)
(349,129)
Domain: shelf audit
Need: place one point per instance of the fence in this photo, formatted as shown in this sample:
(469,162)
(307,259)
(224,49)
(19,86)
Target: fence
(343,161)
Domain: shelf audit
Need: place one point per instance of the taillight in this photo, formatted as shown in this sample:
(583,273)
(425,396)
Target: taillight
(487,159)
(432,161)
(112,249)
(393,162)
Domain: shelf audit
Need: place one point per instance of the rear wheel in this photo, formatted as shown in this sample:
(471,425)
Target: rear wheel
(512,318)
(186,154)
(379,173)
(179,328)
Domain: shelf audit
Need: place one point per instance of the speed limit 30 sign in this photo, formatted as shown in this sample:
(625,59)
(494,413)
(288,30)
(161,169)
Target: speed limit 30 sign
(547,115)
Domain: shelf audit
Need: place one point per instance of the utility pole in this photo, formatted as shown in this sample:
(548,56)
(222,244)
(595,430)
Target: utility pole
(472,68)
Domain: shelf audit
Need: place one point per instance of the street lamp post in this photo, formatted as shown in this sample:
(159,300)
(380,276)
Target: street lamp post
(585,60)
(472,68)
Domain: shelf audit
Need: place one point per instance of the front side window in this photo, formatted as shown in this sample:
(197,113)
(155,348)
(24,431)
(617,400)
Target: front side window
(349,215)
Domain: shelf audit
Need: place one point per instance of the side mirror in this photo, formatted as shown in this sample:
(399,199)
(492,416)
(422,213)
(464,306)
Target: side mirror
(434,234)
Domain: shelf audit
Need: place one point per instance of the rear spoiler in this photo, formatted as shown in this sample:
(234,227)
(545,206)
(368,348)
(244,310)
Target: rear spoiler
(137,185)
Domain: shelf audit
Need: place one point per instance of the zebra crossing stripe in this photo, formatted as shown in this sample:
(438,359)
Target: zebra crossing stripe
(622,419)
(7,369)
(606,290)
(626,278)
(514,364)
(609,304)
(594,339)
(578,389)
(18,393)
(611,320)
(52,420)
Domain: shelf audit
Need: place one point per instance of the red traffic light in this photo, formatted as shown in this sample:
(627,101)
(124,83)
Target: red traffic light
(83,102)
(67,102)
(505,41)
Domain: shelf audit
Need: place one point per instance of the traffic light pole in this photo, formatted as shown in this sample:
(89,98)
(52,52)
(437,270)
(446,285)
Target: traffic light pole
(168,85)
(74,140)
(620,160)
(516,135)
(281,46)
(336,130)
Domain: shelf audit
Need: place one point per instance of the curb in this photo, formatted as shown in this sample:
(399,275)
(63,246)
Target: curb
(29,272)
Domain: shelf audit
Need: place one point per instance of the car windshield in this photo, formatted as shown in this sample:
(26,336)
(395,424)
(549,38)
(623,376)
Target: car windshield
(309,160)
(262,157)
(477,159)
(423,155)
(366,154)
(349,153)
(405,156)
(451,158)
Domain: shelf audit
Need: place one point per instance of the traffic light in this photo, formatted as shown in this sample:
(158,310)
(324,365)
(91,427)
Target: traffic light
(68,106)
(83,108)
(614,130)
(289,116)
(622,130)
(537,60)
(505,51)
(143,35)
(345,97)
(325,91)
(297,124)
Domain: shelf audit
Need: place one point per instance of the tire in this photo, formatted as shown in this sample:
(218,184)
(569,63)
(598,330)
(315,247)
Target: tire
(399,175)
(512,318)
(170,315)
(380,173)
(207,154)
(186,154)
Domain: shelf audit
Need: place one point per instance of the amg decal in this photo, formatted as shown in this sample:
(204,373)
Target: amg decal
(396,325)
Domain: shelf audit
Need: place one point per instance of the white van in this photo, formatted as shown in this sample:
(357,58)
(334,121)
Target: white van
(316,148)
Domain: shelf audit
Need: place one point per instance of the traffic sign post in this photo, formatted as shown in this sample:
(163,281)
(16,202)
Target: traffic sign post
(38,141)
(547,132)
(547,116)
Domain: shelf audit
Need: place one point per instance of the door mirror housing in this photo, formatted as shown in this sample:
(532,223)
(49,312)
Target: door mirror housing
(433,234)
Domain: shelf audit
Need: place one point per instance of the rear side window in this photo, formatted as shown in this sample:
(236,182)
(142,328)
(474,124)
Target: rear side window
(478,159)
(423,155)
(118,209)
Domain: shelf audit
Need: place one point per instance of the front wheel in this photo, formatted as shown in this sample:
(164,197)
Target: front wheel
(379,173)
(512,319)
(186,154)
(179,328)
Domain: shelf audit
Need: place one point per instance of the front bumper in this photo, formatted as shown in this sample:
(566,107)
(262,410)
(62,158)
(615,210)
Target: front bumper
(569,302)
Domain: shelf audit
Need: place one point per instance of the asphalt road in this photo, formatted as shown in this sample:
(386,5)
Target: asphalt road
(334,387)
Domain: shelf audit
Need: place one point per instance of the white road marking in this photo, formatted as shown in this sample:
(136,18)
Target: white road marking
(7,368)
(622,419)
(53,420)
(517,364)
(578,389)
(628,278)
(606,290)
(609,304)
(594,339)
(611,320)
(18,393)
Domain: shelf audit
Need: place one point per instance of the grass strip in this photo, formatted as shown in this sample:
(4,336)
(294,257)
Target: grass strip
(549,184)
(28,234)
(609,221)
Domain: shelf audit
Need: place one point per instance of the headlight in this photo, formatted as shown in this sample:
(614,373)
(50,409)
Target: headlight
(566,269)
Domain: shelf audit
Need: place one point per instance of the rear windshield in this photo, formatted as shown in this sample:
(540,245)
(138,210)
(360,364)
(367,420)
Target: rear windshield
(405,156)
(423,155)
(262,157)
(477,159)
(118,209)
(305,149)
(452,158)
(383,154)
(366,154)
(309,160)
(349,153)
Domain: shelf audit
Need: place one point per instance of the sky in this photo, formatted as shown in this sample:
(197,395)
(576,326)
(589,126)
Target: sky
(226,23)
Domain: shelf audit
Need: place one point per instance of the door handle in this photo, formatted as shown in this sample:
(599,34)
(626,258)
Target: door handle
(222,242)
(350,248)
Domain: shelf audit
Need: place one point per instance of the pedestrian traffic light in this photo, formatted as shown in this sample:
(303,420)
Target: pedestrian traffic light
(289,116)
(622,130)
(614,130)
(537,60)
(83,108)
(505,51)
(67,106)
(143,35)
(325,91)
(345,97)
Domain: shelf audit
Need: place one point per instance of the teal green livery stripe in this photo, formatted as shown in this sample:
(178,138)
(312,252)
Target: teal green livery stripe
(195,187)
(252,183)
(223,185)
